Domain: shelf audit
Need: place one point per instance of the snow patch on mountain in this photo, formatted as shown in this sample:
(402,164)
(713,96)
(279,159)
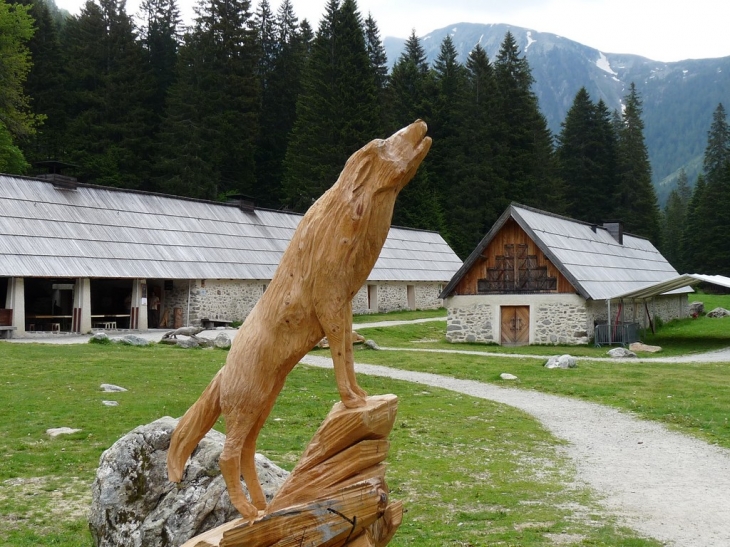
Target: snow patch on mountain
(530,41)
(603,64)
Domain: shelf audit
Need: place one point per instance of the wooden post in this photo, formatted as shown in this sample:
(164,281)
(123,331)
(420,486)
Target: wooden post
(336,494)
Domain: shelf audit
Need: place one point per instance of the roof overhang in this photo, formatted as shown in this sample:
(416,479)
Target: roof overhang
(669,285)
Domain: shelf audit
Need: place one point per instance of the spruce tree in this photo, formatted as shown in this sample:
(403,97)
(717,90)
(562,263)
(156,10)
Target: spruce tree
(337,110)
(110,120)
(379,66)
(278,106)
(693,235)
(45,87)
(636,202)
(418,205)
(526,157)
(211,123)
(587,159)
(16,117)
(478,197)
(717,151)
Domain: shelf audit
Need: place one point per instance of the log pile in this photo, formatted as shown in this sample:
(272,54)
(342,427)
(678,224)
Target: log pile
(335,496)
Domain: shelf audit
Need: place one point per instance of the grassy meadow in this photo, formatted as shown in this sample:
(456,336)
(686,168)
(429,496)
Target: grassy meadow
(471,472)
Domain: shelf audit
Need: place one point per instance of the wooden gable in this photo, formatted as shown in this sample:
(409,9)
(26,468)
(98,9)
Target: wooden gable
(512,263)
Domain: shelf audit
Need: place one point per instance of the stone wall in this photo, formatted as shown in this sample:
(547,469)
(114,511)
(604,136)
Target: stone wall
(560,322)
(234,300)
(554,318)
(393,296)
(470,323)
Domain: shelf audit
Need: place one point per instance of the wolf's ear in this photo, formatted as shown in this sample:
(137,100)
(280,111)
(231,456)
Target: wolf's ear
(361,172)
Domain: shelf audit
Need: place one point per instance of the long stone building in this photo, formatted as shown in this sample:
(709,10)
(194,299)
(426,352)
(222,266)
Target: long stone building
(74,257)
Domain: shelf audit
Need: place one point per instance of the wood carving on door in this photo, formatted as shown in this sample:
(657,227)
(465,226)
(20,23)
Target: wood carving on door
(515,325)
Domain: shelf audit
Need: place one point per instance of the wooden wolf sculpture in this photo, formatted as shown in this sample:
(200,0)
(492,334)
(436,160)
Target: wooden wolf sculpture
(310,296)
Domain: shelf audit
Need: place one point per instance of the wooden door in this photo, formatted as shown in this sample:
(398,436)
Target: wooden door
(515,325)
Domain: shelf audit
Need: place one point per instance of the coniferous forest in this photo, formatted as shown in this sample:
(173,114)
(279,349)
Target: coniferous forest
(249,100)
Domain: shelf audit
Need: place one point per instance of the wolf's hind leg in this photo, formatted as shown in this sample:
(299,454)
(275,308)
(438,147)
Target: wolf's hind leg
(237,429)
(248,461)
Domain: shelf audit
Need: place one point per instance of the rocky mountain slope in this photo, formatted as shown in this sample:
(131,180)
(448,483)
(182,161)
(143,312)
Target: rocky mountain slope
(678,97)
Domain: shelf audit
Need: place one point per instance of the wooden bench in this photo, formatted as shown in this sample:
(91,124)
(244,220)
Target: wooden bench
(213,323)
(6,323)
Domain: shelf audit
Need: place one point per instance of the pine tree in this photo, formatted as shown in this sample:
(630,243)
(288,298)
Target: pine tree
(278,106)
(45,87)
(418,205)
(212,118)
(16,118)
(586,158)
(478,196)
(525,158)
(713,247)
(337,110)
(379,66)
(161,37)
(110,121)
(674,221)
(717,152)
(636,202)
(693,235)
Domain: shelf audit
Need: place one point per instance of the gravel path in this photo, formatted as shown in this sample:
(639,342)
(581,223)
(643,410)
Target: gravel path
(663,484)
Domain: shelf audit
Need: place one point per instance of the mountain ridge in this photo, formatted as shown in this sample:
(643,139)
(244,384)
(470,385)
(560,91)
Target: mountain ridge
(678,97)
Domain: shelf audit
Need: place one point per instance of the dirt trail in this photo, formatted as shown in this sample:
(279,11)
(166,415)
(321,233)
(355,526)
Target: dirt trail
(663,484)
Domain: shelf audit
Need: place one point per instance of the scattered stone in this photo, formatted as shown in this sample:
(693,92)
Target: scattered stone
(718,312)
(132,340)
(56,431)
(110,403)
(222,341)
(134,505)
(111,388)
(562,361)
(639,346)
(99,338)
(507,376)
(183,331)
(188,343)
(371,344)
(696,309)
(356,339)
(621,353)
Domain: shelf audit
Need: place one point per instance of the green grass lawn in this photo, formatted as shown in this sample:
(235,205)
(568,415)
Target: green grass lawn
(470,472)
(401,315)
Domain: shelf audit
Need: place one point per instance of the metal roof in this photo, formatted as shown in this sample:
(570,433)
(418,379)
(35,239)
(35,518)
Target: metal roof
(679,282)
(598,266)
(95,231)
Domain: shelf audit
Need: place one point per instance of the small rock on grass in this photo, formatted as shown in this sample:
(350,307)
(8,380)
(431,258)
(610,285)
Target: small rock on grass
(507,376)
(621,353)
(111,388)
(56,431)
(110,403)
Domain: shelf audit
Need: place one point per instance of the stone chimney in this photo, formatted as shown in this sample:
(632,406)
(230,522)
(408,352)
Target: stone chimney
(54,175)
(616,229)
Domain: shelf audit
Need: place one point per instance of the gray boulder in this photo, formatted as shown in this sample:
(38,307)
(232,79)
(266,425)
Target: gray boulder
(718,312)
(100,337)
(132,340)
(696,308)
(621,353)
(222,341)
(561,361)
(188,343)
(134,505)
(507,376)
(371,344)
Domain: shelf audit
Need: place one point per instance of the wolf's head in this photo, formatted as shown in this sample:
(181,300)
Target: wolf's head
(387,165)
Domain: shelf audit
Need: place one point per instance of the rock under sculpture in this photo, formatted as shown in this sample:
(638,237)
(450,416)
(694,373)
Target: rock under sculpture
(310,296)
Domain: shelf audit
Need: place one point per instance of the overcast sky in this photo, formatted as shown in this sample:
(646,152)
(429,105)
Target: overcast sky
(662,30)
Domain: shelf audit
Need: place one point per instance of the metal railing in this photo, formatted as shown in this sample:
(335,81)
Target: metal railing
(623,333)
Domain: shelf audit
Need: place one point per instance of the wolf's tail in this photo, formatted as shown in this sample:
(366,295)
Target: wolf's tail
(192,427)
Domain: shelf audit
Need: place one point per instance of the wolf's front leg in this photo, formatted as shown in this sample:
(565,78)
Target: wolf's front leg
(337,325)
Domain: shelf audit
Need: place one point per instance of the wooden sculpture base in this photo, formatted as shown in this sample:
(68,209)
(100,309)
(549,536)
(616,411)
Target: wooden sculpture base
(336,494)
